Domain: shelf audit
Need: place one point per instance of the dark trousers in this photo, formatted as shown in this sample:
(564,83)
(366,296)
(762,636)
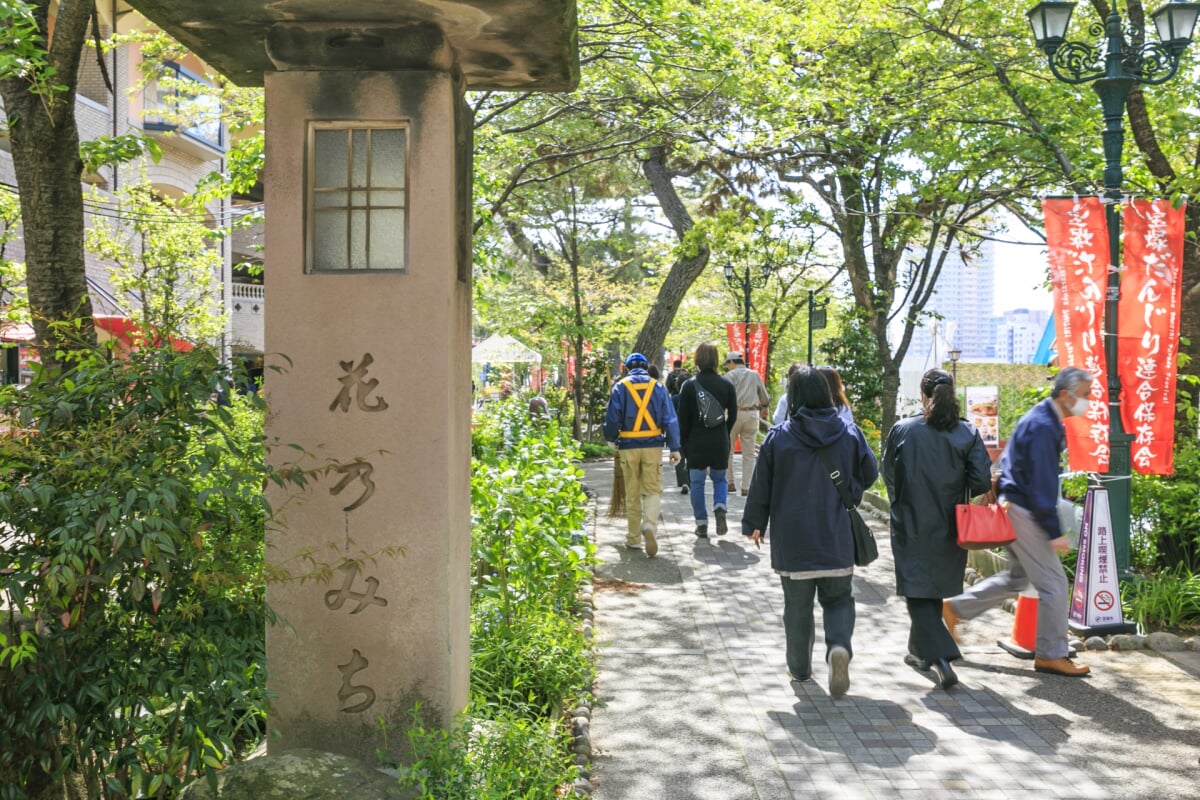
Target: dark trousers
(838,614)
(928,638)
(681,472)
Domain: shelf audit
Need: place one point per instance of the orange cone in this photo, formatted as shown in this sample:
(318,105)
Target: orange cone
(1024,631)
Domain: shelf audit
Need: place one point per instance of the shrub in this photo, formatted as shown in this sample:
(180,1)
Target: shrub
(529,664)
(1167,599)
(498,757)
(527,502)
(133,574)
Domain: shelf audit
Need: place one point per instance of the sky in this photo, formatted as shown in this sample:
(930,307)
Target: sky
(1020,273)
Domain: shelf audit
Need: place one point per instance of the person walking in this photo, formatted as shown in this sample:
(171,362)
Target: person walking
(781,408)
(812,547)
(752,397)
(675,380)
(639,420)
(1029,471)
(705,448)
(930,463)
(840,402)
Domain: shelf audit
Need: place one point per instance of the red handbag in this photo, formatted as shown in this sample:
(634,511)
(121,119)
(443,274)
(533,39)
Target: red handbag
(984,526)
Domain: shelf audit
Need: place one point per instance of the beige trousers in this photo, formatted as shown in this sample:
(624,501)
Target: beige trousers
(744,427)
(641,467)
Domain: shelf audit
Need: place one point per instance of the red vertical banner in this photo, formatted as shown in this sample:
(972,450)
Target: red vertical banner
(735,334)
(1148,331)
(1077,244)
(756,349)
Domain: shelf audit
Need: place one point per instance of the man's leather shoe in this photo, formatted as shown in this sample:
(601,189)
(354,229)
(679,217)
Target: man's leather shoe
(950,617)
(1061,666)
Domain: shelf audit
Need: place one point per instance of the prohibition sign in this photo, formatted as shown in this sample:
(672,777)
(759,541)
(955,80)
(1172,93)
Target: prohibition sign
(1103,600)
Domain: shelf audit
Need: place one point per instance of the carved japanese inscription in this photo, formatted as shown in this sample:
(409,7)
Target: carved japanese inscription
(355,381)
(360,470)
(348,691)
(336,598)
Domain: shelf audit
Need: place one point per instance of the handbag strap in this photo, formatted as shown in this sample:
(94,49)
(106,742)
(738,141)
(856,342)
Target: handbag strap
(836,477)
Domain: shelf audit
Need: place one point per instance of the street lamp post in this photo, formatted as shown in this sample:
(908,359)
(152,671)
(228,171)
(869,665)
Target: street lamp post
(1114,67)
(817,319)
(955,355)
(746,282)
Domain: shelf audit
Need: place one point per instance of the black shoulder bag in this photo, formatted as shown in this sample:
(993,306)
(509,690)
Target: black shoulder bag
(865,548)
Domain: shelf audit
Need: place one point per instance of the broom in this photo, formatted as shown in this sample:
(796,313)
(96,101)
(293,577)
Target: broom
(616,505)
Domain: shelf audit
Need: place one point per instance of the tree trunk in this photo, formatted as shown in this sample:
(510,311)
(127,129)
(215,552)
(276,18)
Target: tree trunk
(45,153)
(684,272)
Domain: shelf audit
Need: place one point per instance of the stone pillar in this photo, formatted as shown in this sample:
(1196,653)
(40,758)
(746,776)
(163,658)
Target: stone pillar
(368,373)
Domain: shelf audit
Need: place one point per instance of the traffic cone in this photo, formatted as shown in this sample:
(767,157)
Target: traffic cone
(1023,641)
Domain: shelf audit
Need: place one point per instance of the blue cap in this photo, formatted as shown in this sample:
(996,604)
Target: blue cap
(635,358)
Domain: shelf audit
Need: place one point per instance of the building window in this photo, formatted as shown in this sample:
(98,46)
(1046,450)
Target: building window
(357,197)
(192,111)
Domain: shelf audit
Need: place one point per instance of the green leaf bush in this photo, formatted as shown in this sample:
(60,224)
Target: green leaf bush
(131,643)
(528,653)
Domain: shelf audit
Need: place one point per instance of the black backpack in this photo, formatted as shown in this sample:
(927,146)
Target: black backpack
(712,413)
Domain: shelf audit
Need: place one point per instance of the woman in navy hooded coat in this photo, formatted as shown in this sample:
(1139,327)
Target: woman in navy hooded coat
(812,547)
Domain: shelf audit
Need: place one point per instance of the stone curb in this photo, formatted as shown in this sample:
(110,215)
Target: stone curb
(581,714)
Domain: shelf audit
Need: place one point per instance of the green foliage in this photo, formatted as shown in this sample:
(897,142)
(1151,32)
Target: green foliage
(1167,599)
(133,571)
(854,354)
(495,757)
(1166,510)
(528,664)
(527,504)
(167,259)
(528,654)
(12,273)
(23,51)
(118,150)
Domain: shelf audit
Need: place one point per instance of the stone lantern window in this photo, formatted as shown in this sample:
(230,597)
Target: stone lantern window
(356,209)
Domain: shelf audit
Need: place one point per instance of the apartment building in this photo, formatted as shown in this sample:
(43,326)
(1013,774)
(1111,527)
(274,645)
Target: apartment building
(188,154)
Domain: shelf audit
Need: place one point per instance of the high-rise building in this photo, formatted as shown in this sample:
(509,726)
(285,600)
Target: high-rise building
(1018,334)
(962,301)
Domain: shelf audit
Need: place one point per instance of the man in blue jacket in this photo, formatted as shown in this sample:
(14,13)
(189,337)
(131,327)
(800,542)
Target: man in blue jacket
(1028,487)
(641,418)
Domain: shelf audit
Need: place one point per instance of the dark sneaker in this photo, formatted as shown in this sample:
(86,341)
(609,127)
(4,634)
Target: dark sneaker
(722,525)
(916,662)
(683,489)
(702,530)
(794,678)
(839,671)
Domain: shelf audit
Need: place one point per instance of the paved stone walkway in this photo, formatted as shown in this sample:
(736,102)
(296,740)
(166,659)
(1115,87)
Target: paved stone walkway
(693,699)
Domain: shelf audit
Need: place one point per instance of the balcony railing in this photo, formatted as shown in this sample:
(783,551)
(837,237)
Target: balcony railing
(253,293)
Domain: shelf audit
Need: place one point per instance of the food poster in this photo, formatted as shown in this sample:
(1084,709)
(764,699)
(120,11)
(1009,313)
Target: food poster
(983,411)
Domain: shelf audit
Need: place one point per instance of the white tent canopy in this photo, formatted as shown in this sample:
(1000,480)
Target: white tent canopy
(498,349)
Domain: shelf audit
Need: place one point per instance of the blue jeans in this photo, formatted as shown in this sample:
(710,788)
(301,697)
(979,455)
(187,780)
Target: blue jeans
(720,491)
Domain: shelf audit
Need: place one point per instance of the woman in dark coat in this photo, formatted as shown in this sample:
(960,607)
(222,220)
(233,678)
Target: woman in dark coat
(707,449)
(812,547)
(930,463)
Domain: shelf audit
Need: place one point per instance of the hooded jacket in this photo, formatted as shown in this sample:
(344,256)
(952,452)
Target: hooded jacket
(792,493)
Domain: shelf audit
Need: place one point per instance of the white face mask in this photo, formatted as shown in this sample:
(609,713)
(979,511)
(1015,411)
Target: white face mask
(1080,406)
